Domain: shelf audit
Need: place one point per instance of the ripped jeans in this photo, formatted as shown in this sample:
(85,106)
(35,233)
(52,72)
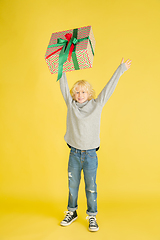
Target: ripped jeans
(88,161)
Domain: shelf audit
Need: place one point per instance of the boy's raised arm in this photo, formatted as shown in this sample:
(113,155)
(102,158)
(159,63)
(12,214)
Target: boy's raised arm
(111,85)
(64,88)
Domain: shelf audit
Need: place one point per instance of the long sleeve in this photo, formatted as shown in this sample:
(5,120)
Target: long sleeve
(65,89)
(111,85)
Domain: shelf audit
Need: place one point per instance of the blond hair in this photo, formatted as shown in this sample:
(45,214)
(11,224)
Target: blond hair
(86,85)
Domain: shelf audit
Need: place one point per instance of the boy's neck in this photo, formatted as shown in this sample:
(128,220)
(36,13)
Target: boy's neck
(81,104)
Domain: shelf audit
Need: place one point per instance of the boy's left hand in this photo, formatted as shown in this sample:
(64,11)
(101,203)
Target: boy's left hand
(127,63)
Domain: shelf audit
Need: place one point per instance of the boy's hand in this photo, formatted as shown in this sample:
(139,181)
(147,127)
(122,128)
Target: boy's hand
(127,63)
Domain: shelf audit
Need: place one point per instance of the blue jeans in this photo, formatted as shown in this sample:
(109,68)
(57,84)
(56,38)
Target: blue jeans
(88,161)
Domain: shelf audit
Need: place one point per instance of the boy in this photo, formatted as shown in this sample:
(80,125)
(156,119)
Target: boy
(82,136)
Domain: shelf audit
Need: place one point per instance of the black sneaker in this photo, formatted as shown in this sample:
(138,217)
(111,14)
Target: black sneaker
(93,226)
(69,218)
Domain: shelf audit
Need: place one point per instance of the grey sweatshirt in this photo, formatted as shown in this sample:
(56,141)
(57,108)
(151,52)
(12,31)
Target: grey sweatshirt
(83,119)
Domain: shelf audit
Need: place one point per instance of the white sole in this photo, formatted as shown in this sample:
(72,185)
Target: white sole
(93,229)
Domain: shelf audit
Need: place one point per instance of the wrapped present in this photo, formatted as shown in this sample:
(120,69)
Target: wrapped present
(70,50)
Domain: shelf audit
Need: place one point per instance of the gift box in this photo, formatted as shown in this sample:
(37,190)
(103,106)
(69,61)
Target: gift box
(70,50)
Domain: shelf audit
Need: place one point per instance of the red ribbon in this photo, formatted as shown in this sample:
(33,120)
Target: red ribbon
(68,36)
(54,52)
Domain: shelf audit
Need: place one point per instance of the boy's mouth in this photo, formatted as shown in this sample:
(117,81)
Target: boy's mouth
(80,99)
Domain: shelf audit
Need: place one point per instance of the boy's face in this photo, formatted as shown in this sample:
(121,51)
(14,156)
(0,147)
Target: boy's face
(81,94)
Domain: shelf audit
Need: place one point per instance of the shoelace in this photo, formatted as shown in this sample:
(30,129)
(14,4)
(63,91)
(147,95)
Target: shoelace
(68,215)
(92,220)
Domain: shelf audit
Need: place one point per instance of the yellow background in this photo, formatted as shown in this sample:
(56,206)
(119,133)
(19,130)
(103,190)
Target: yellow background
(34,155)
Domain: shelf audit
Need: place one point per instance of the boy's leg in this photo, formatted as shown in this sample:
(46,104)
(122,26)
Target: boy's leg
(74,176)
(90,173)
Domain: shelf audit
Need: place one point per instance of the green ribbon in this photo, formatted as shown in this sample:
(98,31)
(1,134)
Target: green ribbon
(74,57)
(63,56)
